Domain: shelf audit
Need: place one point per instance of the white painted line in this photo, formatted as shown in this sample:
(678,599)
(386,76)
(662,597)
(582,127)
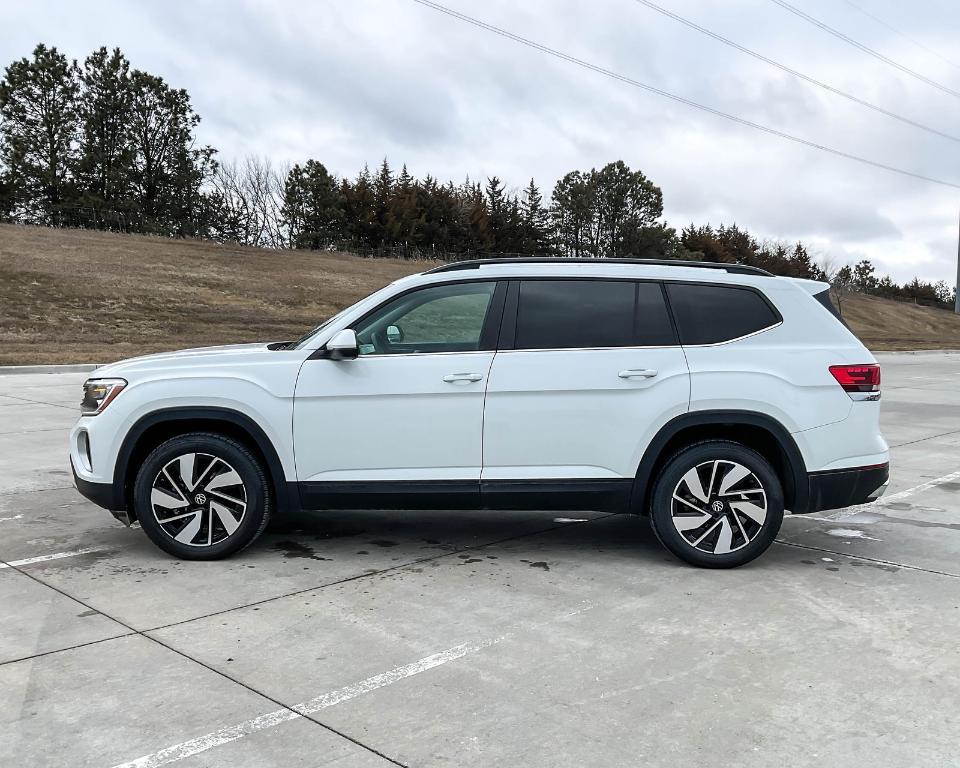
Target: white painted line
(277,717)
(570,520)
(883,501)
(5,519)
(54,556)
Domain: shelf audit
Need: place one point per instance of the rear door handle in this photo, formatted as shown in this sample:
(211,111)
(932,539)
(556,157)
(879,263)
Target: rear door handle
(637,373)
(452,378)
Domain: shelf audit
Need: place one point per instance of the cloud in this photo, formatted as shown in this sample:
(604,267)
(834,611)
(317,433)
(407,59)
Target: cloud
(348,83)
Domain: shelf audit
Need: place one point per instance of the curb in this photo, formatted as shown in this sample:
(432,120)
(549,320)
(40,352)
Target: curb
(6,370)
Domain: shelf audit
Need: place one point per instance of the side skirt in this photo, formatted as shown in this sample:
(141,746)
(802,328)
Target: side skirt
(573,494)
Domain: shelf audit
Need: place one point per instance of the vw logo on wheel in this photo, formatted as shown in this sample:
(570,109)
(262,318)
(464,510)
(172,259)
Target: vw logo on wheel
(717,506)
(200,498)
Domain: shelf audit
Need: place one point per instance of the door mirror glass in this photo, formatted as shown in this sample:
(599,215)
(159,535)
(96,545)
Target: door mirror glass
(343,346)
(394,334)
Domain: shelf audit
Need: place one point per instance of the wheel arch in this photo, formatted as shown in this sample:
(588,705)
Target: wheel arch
(755,430)
(155,427)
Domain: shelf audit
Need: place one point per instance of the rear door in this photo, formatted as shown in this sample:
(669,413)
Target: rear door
(586,373)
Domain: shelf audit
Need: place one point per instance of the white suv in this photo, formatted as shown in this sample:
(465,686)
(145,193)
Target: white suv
(709,397)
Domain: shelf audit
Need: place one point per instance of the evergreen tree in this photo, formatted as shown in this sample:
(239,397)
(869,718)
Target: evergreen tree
(106,151)
(313,207)
(167,173)
(38,132)
(382,192)
(535,222)
(497,212)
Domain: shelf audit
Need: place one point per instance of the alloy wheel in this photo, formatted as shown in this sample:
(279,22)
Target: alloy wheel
(719,506)
(198,499)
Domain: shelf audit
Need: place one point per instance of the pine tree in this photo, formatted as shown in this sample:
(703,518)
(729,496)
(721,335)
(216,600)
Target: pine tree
(382,192)
(38,131)
(313,207)
(536,222)
(106,151)
(497,214)
(167,173)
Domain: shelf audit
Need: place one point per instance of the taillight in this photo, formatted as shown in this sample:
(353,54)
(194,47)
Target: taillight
(857,378)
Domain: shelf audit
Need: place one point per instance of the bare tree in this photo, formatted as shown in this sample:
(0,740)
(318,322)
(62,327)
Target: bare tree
(249,195)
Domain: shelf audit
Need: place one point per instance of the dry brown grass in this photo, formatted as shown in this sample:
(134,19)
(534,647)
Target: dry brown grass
(78,296)
(69,296)
(885,324)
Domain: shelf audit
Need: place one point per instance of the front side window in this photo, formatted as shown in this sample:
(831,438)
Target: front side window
(590,314)
(442,318)
(710,314)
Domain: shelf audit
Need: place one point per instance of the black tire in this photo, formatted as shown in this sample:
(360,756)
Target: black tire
(245,506)
(739,535)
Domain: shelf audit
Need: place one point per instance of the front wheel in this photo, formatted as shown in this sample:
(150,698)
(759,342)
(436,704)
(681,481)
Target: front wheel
(202,496)
(717,504)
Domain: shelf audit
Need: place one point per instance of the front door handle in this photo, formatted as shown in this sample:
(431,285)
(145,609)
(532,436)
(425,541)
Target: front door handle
(637,373)
(452,378)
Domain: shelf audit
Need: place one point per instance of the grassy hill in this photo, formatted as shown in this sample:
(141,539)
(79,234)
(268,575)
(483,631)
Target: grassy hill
(69,296)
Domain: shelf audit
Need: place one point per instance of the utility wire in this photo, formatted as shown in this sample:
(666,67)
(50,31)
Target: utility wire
(795,73)
(876,54)
(688,102)
(904,35)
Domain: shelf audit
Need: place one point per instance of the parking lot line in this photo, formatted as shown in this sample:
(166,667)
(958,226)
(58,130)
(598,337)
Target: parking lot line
(54,556)
(277,717)
(5,519)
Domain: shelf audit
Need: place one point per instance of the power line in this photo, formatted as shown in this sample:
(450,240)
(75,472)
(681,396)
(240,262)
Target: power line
(795,73)
(904,35)
(876,54)
(666,94)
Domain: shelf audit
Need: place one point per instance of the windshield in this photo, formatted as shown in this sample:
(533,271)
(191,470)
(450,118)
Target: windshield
(310,334)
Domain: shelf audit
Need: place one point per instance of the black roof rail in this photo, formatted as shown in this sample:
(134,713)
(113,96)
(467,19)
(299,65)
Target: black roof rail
(735,269)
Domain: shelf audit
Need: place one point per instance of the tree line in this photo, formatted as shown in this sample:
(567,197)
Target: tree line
(103,144)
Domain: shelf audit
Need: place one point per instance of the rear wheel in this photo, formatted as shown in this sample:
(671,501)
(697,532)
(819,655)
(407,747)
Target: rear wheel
(202,496)
(717,504)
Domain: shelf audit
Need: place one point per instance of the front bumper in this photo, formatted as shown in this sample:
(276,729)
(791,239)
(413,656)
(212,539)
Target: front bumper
(846,487)
(102,494)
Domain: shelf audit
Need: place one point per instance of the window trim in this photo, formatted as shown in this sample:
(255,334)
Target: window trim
(508,330)
(753,289)
(488,332)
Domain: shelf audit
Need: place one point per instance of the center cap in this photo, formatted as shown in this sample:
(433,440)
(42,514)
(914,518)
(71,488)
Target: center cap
(201,499)
(716,506)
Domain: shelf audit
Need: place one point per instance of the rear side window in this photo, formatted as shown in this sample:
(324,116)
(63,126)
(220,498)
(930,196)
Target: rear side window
(587,314)
(824,299)
(709,314)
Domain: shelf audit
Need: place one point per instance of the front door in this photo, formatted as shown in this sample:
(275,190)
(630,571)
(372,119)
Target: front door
(401,425)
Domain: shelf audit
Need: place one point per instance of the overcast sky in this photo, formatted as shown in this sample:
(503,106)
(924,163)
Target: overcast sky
(350,81)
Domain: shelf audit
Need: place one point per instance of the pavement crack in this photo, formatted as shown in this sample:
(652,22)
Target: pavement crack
(143,633)
(371,574)
(877,560)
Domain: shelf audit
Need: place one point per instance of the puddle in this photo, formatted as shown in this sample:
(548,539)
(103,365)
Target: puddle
(850,533)
(296,549)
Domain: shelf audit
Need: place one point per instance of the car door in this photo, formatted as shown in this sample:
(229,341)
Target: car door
(587,372)
(401,424)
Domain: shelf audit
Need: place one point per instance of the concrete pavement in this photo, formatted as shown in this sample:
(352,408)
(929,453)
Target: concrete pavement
(479,639)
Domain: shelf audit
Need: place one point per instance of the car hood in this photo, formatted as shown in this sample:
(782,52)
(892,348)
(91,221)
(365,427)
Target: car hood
(186,358)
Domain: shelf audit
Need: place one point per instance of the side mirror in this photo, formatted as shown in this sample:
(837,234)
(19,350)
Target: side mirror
(394,334)
(343,346)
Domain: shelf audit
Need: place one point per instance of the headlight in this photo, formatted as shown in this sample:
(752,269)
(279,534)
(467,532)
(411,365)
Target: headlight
(98,394)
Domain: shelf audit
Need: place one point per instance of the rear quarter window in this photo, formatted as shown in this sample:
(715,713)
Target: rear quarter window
(711,314)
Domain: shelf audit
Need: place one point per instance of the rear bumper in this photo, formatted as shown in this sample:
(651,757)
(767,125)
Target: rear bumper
(845,487)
